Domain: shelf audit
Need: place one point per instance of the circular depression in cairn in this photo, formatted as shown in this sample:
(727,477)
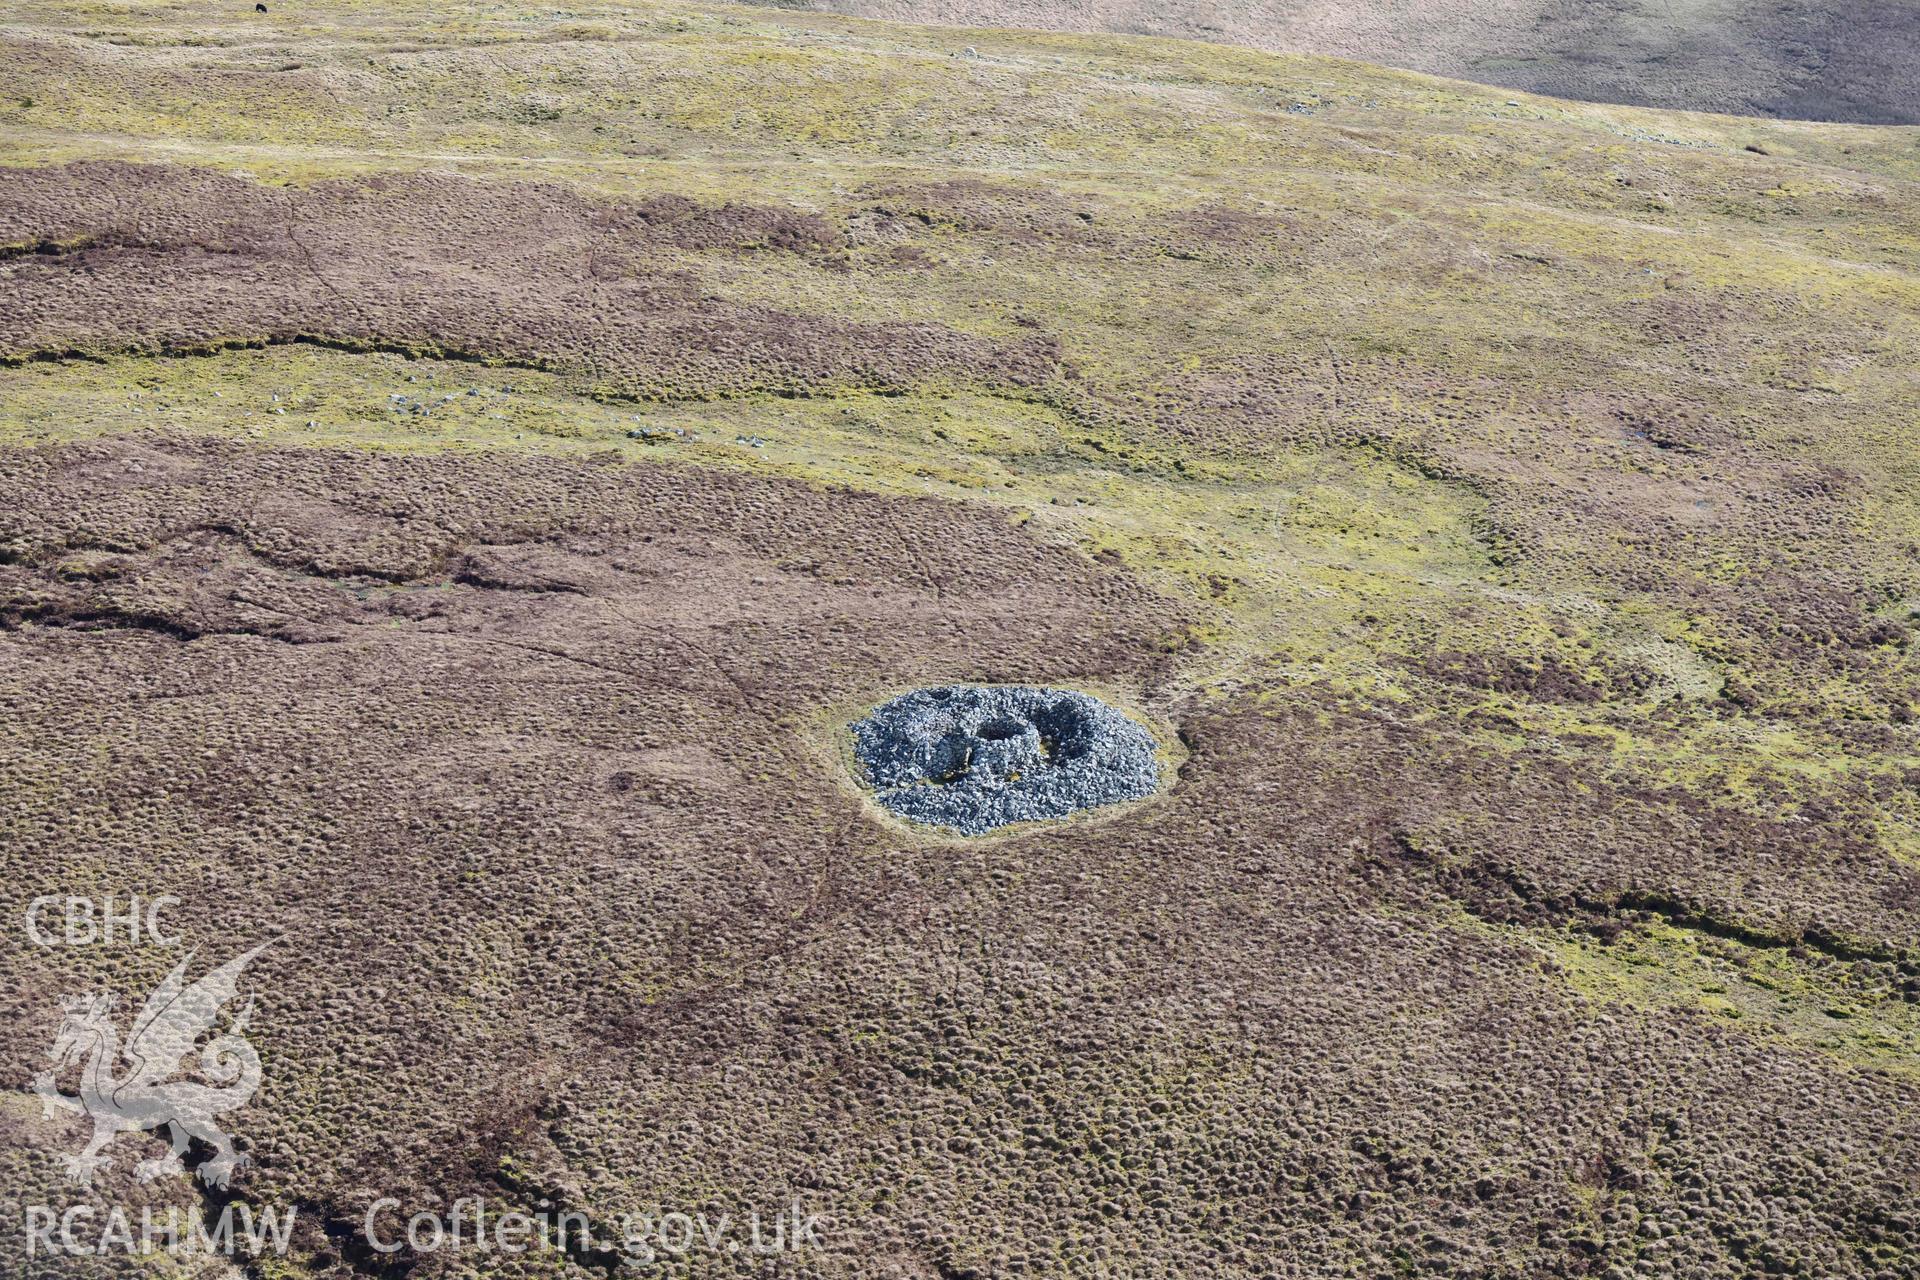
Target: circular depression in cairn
(975,757)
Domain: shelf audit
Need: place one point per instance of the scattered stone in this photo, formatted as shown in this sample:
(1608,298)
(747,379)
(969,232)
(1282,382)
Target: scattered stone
(973,758)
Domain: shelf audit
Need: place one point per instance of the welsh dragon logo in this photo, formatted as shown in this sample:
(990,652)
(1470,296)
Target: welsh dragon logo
(146,1097)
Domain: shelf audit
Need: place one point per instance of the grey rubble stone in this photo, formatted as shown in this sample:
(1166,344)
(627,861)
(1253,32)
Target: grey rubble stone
(976,757)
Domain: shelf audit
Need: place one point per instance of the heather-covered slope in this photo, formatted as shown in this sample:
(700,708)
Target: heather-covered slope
(462,471)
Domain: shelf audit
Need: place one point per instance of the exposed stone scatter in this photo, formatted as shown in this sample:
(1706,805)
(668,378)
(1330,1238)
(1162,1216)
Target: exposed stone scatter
(975,758)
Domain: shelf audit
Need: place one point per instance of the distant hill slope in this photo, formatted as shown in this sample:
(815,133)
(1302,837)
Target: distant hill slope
(1800,59)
